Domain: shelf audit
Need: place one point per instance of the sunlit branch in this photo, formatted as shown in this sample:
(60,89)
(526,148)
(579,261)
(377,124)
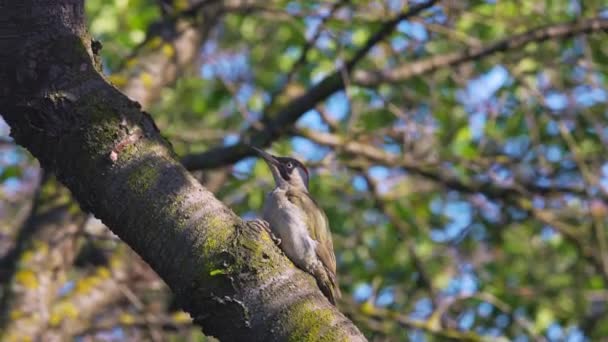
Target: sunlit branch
(431,172)
(276,125)
(416,68)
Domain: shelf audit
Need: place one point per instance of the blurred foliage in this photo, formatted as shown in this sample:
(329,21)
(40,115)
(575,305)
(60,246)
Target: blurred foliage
(494,223)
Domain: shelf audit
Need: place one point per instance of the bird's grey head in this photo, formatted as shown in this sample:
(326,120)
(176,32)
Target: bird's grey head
(287,172)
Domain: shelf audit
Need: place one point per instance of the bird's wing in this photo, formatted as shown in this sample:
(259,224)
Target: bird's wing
(319,228)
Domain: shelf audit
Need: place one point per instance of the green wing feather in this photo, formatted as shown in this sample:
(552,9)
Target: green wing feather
(318,227)
(319,231)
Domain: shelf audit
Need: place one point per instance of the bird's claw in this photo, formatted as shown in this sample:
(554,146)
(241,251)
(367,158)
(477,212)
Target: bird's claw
(259,225)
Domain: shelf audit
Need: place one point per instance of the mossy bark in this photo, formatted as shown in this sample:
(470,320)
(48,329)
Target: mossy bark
(231,278)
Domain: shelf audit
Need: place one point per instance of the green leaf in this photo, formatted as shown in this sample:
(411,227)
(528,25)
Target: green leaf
(11,171)
(360,35)
(544,318)
(374,119)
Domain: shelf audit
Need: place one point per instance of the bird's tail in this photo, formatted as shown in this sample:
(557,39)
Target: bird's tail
(328,283)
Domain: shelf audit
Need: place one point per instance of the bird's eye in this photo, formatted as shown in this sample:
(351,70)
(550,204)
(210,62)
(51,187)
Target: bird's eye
(289,165)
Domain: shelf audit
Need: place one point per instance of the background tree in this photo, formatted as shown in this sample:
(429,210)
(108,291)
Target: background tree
(458,149)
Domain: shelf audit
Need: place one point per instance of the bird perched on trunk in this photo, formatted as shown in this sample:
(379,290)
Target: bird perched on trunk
(299,223)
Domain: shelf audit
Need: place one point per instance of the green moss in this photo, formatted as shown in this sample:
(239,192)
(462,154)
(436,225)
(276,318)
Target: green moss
(142,178)
(104,126)
(219,233)
(174,209)
(217,239)
(255,255)
(306,323)
(215,272)
(128,152)
(255,246)
(248,254)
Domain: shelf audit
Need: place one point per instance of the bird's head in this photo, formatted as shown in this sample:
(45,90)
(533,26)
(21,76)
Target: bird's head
(287,172)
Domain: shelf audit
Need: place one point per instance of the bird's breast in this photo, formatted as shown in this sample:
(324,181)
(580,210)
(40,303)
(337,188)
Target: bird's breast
(288,222)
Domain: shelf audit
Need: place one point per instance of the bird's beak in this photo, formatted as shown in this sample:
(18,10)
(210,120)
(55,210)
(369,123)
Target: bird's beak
(276,168)
(269,158)
(273,164)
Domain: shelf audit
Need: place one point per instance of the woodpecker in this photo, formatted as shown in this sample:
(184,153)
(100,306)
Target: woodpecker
(299,223)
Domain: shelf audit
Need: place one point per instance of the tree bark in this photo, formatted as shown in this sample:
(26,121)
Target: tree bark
(230,277)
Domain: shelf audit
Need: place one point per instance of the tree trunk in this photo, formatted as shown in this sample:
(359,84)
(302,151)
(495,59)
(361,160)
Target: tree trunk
(231,278)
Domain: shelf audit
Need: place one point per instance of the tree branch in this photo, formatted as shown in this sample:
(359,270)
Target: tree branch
(45,249)
(557,31)
(430,172)
(91,294)
(517,195)
(276,125)
(166,54)
(162,69)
